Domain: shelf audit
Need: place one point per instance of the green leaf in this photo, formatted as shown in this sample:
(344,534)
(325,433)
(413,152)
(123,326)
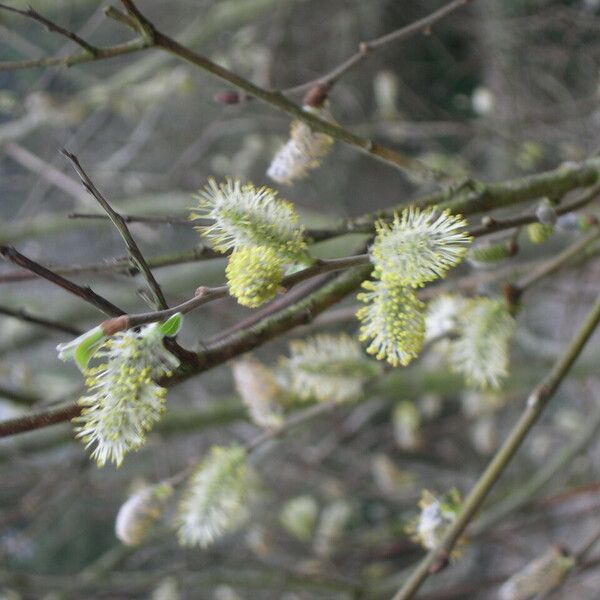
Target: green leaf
(82,348)
(172,325)
(87,348)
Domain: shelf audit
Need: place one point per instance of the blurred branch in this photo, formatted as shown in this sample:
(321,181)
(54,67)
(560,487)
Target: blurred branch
(365,49)
(45,170)
(153,37)
(85,293)
(135,254)
(120,265)
(55,27)
(554,264)
(24,315)
(219,352)
(18,396)
(524,493)
(536,403)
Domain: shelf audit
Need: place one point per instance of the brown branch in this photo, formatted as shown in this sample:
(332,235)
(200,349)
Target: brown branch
(24,315)
(276,99)
(74,59)
(18,396)
(535,405)
(39,419)
(219,352)
(51,26)
(159,219)
(424,25)
(205,295)
(135,254)
(85,293)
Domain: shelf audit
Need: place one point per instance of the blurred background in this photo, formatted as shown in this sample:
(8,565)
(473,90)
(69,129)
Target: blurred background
(498,90)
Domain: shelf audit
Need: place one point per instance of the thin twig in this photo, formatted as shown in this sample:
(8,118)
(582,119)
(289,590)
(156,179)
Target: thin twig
(51,26)
(24,315)
(276,99)
(555,263)
(19,396)
(39,419)
(218,352)
(536,403)
(135,254)
(365,49)
(77,58)
(85,293)
(205,295)
(523,495)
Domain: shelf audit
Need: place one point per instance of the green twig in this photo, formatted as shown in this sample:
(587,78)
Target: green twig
(536,403)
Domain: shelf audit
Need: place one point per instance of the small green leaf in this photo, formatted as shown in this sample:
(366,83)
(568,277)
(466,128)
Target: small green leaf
(172,325)
(82,348)
(87,348)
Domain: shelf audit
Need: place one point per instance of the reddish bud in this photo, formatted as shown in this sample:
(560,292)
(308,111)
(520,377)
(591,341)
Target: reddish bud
(316,96)
(227,97)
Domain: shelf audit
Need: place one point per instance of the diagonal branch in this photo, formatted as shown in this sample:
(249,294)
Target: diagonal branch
(153,37)
(536,403)
(135,254)
(365,49)
(24,315)
(55,27)
(222,350)
(85,293)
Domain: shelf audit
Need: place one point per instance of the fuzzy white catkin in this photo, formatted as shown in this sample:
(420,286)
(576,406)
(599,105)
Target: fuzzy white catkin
(216,497)
(140,511)
(259,390)
(539,577)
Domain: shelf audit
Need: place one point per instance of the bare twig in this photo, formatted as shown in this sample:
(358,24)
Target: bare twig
(77,58)
(365,49)
(555,263)
(205,295)
(135,254)
(18,396)
(39,419)
(222,350)
(51,26)
(276,99)
(24,315)
(536,403)
(85,293)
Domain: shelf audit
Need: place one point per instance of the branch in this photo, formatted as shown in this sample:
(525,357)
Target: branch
(24,315)
(222,350)
(135,254)
(329,79)
(522,496)
(122,265)
(554,264)
(85,293)
(39,419)
(18,396)
(536,403)
(51,26)
(276,99)
(205,295)
(77,58)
